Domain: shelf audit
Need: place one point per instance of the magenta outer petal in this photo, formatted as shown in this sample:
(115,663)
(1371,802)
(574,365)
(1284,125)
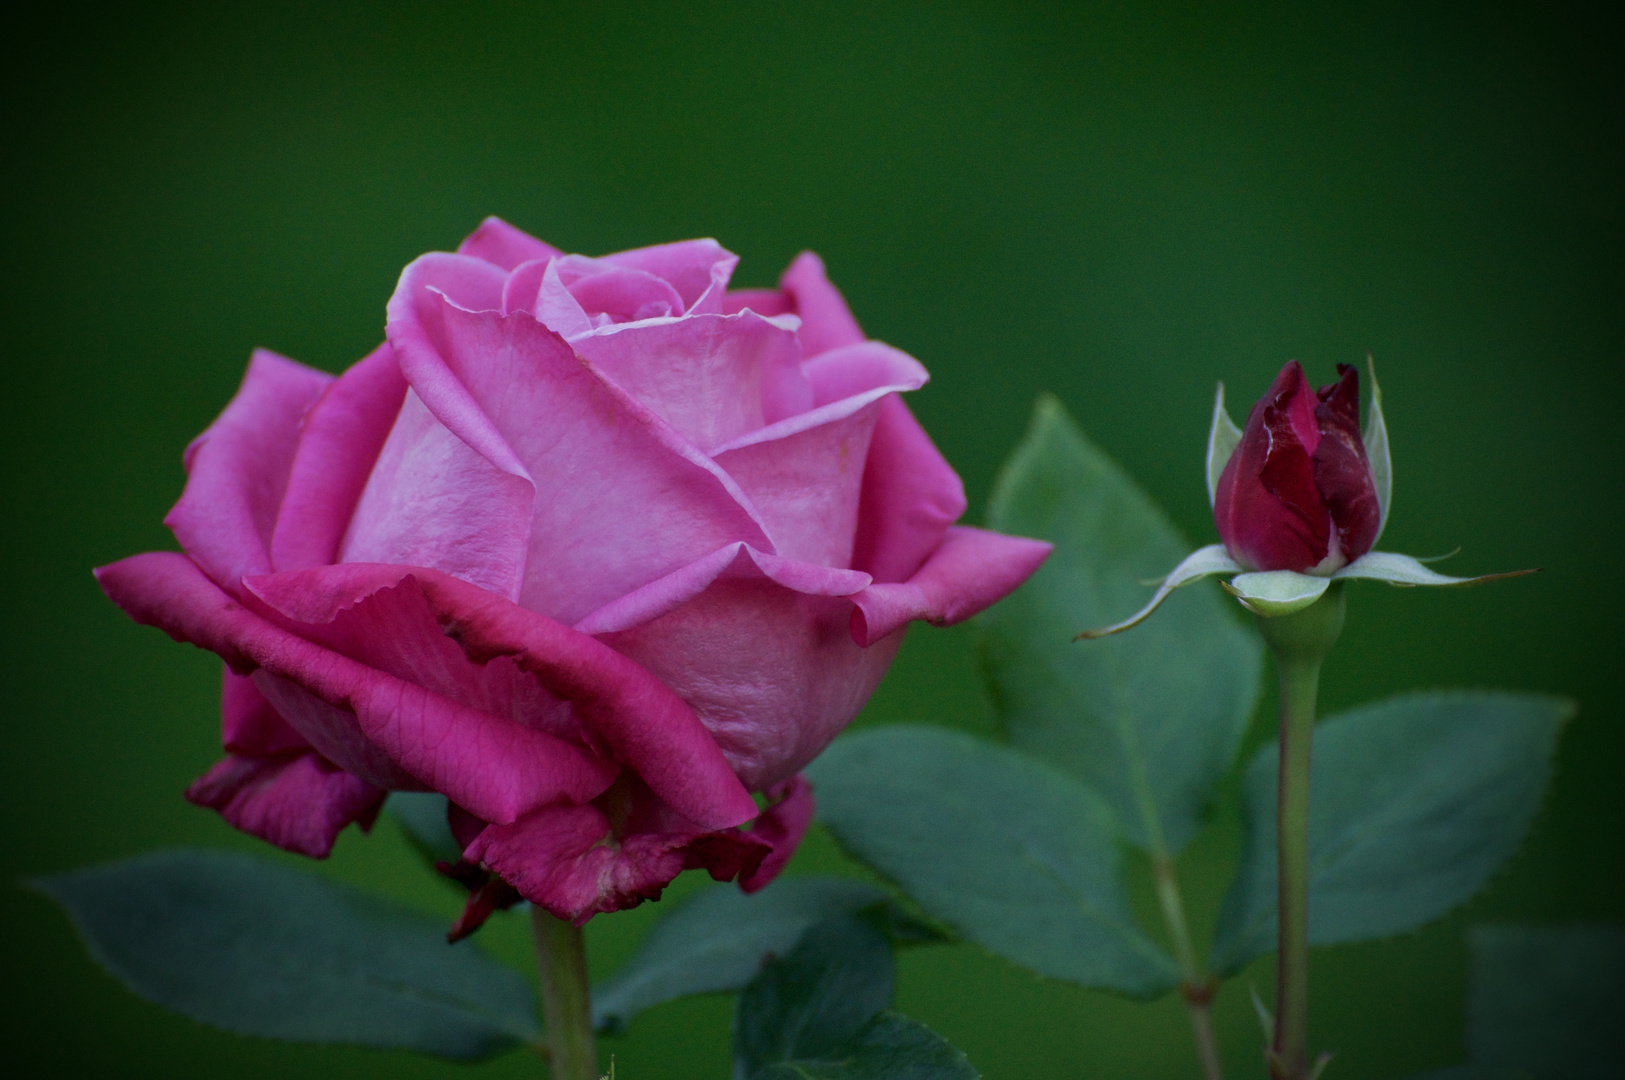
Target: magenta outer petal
(238,470)
(910,497)
(299,803)
(782,826)
(826,321)
(645,725)
(970,571)
(502,245)
(496,768)
(339,443)
(249,724)
(556,857)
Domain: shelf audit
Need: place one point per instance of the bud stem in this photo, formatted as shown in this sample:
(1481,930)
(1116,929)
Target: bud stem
(561,956)
(1300,642)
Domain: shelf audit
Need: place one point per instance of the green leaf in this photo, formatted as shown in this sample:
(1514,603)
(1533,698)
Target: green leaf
(246,945)
(1548,999)
(889,1047)
(1012,854)
(717,940)
(1414,803)
(1222,439)
(422,815)
(811,1002)
(1150,719)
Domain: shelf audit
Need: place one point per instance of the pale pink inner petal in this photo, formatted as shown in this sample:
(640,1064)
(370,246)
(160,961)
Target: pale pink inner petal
(625,295)
(693,267)
(521,292)
(734,560)
(619,499)
(500,244)
(713,378)
(433,501)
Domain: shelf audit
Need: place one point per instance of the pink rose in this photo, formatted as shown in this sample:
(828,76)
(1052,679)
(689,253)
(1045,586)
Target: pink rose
(593,547)
(1297,493)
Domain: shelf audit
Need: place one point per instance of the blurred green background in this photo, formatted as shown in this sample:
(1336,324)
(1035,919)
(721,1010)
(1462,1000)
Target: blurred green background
(1117,204)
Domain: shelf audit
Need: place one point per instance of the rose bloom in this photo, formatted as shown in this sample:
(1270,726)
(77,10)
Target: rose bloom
(592,546)
(1297,493)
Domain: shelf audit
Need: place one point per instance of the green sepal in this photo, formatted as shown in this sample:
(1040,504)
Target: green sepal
(1222,439)
(1376,451)
(1404,571)
(1201,563)
(1276,592)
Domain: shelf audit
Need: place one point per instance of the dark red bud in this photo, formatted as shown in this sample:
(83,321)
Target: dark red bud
(1297,492)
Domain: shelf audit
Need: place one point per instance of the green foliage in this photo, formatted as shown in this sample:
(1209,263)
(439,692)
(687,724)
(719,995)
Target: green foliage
(1009,852)
(246,945)
(1549,1000)
(1149,719)
(1414,802)
(718,939)
(422,815)
(821,1012)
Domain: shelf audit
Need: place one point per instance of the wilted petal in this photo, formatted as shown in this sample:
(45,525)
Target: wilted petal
(300,803)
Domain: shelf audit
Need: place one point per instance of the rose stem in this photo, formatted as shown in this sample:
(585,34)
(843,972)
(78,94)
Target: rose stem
(1300,642)
(561,956)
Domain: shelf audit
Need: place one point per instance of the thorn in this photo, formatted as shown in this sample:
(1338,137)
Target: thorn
(1321,1062)
(1265,1020)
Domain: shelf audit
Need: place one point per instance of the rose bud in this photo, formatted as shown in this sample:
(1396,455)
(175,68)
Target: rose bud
(1298,493)
(592,546)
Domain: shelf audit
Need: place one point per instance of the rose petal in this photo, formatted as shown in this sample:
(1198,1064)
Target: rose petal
(452,638)
(781,827)
(698,269)
(713,378)
(502,245)
(970,571)
(432,500)
(494,767)
(826,321)
(910,497)
(557,857)
(339,443)
(1342,473)
(733,561)
(249,724)
(772,671)
(238,470)
(620,498)
(300,803)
